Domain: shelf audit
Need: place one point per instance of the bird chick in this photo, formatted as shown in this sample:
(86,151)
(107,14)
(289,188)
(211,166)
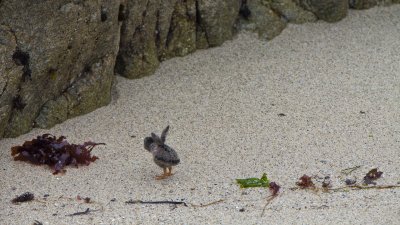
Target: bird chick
(163,155)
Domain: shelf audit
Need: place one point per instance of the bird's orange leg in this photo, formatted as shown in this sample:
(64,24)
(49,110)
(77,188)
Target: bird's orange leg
(170,171)
(165,175)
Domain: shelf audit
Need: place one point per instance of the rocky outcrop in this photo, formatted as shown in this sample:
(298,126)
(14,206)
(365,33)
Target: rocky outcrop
(155,30)
(263,19)
(292,12)
(328,10)
(58,58)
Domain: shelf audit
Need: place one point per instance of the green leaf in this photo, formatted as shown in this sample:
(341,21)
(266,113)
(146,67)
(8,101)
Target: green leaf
(254,182)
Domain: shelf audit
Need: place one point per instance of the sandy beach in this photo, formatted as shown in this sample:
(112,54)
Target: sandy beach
(317,99)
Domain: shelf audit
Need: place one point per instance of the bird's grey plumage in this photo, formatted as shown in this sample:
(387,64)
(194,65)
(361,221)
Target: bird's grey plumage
(163,155)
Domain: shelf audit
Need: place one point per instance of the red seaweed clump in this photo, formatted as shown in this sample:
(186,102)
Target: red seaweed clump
(274,188)
(305,182)
(55,152)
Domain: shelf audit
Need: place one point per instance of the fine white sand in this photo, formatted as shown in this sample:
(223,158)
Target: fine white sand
(222,105)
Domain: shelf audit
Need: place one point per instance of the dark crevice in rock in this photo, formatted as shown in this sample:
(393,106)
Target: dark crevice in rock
(67,97)
(4,89)
(18,103)
(141,30)
(87,69)
(120,64)
(158,30)
(200,28)
(144,13)
(103,14)
(244,10)
(22,59)
(170,30)
(122,13)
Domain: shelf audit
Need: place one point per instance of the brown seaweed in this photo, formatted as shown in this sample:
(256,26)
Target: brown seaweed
(55,152)
(86,200)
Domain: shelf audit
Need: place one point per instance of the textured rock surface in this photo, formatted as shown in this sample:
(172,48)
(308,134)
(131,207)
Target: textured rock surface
(155,30)
(10,76)
(362,4)
(328,10)
(267,23)
(366,4)
(216,20)
(292,12)
(57,61)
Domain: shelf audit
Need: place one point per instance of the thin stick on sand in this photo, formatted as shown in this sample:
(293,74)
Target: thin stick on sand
(156,202)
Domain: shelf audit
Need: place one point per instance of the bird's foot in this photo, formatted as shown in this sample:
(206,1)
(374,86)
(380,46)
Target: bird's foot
(169,173)
(161,177)
(164,175)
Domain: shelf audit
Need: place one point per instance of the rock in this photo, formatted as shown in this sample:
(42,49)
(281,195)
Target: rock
(292,12)
(152,31)
(366,4)
(328,10)
(91,91)
(156,30)
(181,37)
(10,76)
(362,4)
(264,20)
(58,58)
(53,49)
(216,21)
(138,55)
